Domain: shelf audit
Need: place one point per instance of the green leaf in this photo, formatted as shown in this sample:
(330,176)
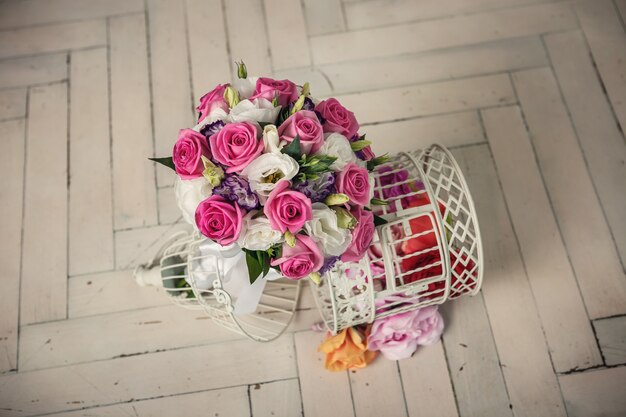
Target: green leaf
(359,145)
(378,202)
(379,221)
(254,267)
(293,149)
(168,162)
(283,115)
(379,160)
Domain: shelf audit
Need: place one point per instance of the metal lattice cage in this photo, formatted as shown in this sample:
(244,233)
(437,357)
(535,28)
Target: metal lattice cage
(198,274)
(429,250)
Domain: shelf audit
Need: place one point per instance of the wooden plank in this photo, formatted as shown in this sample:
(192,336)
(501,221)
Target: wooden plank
(20,72)
(621,6)
(559,303)
(12,103)
(145,330)
(11,195)
(146,376)
(516,327)
(429,99)
(595,393)
(599,135)
(43,294)
(611,335)
(375,13)
(110,292)
(445,33)
(287,34)
(317,383)
(473,359)
(135,246)
(254,50)
(171,95)
(426,383)
(323,17)
(455,129)
(134,193)
(90,208)
(377,390)
(585,232)
(607,41)
(460,62)
(35,12)
(52,38)
(168,209)
(280,398)
(208,55)
(222,402)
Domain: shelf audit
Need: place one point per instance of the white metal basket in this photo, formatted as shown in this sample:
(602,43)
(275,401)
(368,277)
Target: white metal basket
(181,260)
(428,252)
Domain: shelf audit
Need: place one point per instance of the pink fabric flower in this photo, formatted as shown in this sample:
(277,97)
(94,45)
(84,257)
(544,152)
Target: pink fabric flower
(307,127)
(362,235)
(236,145)
(268,89)
(353,181)
(212,100)
(219,219)
(397,336)
(298,262)
(187,154)
(287,209)
(337,118)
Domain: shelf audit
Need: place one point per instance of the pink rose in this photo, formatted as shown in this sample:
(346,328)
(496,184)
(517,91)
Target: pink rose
(187,154)
(398,336)
(298,262)
(212,100)
(287,209)
(236,145)
(337,118)
(268,89)
(307,127)
(354,182)
(219,219)
(362,235)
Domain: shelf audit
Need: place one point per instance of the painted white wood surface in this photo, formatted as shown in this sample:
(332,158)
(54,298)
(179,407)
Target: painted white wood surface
(415,72)
(559,303)
(43,290)
(515,323)
(584,229)
(12,195)
(90,206)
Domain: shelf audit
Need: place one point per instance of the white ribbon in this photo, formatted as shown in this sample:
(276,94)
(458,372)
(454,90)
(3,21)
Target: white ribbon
(234,276)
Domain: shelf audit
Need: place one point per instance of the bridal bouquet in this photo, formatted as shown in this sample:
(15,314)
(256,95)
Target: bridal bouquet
(279,174)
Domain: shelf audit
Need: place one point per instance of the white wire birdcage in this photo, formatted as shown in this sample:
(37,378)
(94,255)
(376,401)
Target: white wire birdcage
(197,274)
(429,250)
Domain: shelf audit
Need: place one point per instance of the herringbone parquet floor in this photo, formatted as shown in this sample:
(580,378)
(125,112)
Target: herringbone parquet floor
(529,94)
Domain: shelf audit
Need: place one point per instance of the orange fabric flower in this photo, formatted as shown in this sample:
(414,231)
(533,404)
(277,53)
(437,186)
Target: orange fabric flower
(346,350)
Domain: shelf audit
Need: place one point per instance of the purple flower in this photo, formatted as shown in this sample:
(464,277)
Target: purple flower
(328,264)
(235,188)
(308,104)
(394,183)
(317,190)
(212,128)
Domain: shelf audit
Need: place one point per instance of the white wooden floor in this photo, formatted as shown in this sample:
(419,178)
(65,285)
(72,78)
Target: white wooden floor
(530,94)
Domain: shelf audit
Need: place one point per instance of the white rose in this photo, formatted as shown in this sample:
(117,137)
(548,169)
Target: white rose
(245,86)
(214,116)
(324,230)
(265,171)
(189,194)
(271,140)
(338,146)
(258,110)
(257,234)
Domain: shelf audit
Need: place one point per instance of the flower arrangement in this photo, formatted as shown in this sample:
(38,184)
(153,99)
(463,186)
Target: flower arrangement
(283,176)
